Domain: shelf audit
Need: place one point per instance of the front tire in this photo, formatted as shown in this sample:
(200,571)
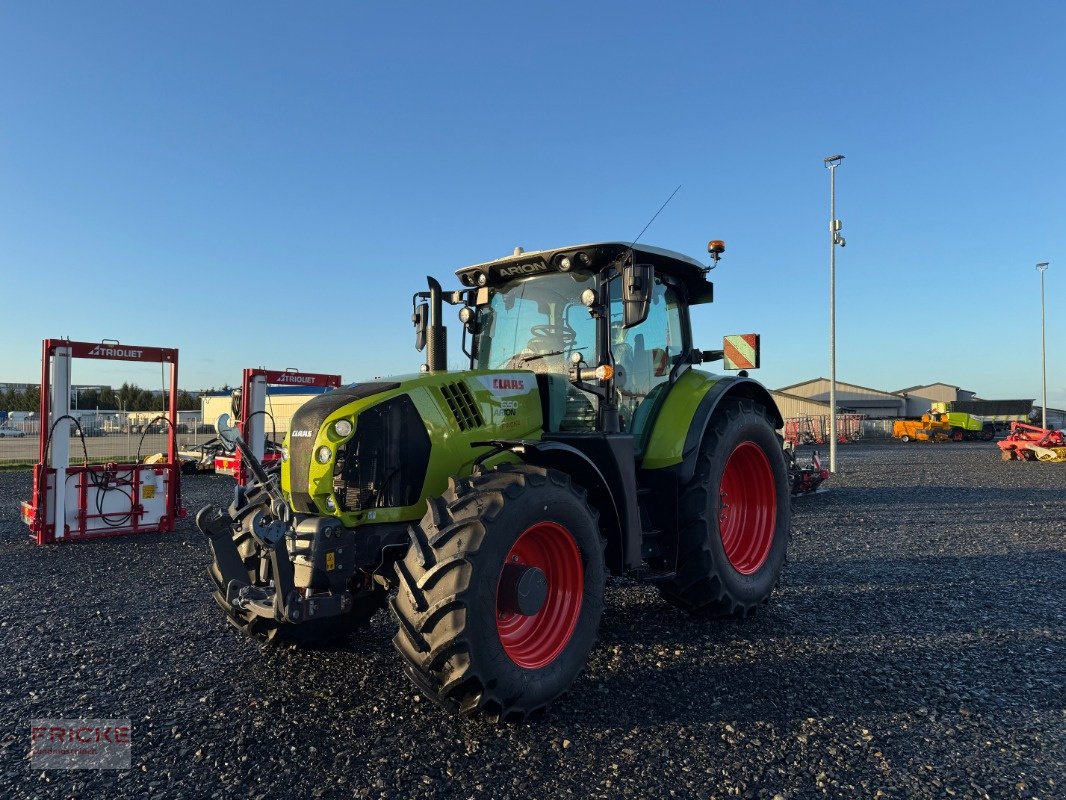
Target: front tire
(734,518)
(472,637)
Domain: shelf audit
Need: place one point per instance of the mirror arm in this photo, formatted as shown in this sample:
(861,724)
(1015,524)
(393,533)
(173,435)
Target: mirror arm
(462,345)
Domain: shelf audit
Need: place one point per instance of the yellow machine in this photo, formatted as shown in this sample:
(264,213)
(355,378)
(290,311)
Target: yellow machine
(932,427)
(941,426)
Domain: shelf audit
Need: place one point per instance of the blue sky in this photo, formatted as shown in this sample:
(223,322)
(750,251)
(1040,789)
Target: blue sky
(267,183)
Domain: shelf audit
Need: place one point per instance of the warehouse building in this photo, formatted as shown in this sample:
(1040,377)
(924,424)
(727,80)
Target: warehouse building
(851,398)
(281,403)
(1056,417)
(920,398)
(792,406)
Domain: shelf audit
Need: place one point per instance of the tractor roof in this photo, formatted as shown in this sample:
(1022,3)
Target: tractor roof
(592,258)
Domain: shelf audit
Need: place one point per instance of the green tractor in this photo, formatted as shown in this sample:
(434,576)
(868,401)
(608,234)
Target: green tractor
(486,507)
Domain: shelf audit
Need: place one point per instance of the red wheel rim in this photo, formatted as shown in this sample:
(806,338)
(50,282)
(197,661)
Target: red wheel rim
(537,640)
(747,510)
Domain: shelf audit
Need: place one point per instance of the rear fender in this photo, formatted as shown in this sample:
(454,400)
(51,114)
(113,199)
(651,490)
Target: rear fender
(687,412)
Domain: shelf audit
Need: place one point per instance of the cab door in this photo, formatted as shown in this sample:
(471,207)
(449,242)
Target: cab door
(645,356)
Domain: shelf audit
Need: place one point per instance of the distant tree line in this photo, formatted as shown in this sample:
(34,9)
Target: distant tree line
(129,397)
(29,400)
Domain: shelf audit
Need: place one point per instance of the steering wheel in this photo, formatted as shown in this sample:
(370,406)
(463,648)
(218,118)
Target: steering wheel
(564,334)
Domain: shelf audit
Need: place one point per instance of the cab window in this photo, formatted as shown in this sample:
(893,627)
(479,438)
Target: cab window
(645,355)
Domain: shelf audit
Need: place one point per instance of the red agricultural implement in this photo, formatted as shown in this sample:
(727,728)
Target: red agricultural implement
(804,478)
(251,421)
(815,430)
(1030,443)
(81,501)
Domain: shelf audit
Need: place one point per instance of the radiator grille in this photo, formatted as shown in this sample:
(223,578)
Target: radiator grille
(463,406)
(309,418)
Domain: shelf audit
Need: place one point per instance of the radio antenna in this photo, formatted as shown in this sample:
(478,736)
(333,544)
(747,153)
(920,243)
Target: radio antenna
(650,221)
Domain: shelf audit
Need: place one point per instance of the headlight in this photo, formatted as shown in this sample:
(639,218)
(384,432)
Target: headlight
(330,504)
(342,427)
(323,455)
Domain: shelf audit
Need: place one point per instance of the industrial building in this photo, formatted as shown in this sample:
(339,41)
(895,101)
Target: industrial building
(851,398)
(920,398)
(281,403)
(811,399)
(793,406)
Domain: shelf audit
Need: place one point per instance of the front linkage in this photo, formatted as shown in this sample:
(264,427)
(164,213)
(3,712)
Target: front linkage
(273,571)
(281,601)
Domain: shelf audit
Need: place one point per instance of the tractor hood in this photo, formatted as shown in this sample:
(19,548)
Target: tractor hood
(373,452)
(306,424)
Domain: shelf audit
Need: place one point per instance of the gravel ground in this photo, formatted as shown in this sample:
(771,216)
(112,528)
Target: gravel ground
(917,649)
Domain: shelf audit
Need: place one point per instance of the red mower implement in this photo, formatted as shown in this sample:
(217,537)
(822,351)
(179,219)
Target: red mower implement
(1030,443)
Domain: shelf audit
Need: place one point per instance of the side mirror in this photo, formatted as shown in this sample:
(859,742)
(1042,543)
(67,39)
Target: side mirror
(421,319)
(636,293)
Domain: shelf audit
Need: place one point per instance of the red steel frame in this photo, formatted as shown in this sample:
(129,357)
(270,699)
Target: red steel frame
(36,512)
(285,377)
(1022,436)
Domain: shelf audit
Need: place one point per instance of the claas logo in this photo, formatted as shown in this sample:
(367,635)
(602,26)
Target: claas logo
(508,383)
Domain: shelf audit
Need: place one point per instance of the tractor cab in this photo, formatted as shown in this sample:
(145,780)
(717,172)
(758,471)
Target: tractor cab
(605,326)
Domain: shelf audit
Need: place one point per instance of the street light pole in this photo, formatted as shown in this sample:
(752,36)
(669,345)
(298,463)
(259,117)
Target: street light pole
(832,162)
(1042,268)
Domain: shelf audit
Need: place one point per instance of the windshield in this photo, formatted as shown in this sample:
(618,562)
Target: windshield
(536,323)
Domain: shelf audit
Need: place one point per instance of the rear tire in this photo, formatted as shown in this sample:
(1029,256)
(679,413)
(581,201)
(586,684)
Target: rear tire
(734,518)
(462,642)
(904,438)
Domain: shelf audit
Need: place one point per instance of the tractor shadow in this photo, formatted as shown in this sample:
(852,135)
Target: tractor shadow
(876,499)
(880,630)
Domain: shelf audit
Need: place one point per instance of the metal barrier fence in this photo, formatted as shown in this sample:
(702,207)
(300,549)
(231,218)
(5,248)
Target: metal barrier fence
(877,428)
(850,428)
(133,436)
(103,436)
